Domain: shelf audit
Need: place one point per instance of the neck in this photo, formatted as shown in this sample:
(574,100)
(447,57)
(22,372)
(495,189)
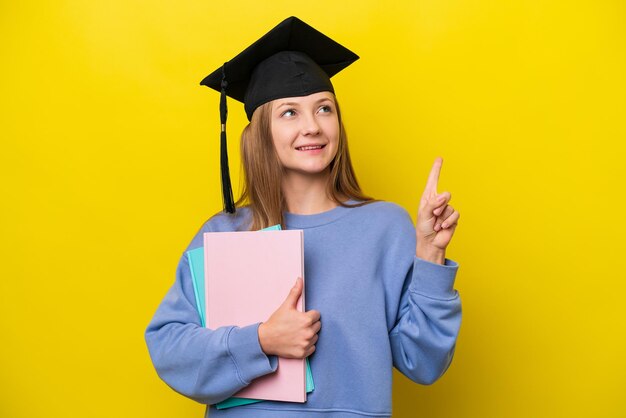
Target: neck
(305,194)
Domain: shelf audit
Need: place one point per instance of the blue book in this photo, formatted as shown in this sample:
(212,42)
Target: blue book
(196,266)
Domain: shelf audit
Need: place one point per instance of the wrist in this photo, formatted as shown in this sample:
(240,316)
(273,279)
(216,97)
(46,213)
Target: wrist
(262,332)
(430,253)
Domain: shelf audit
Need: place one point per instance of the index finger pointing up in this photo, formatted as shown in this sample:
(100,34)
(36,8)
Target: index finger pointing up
(433,177)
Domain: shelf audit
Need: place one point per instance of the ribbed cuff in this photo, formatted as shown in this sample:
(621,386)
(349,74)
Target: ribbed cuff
(245,349)
(434,280)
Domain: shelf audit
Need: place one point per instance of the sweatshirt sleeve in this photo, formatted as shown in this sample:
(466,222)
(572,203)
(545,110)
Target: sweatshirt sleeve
(206,365)
(429,318)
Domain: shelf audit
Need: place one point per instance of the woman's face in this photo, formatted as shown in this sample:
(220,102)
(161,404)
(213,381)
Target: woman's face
(305,121)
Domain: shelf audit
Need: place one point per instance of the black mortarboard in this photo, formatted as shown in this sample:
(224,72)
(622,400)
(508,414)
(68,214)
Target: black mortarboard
(293,59)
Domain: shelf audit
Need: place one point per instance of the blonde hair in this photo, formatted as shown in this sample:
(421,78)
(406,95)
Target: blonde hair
(262,169)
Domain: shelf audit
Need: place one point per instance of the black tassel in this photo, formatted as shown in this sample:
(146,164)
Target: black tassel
(227,191)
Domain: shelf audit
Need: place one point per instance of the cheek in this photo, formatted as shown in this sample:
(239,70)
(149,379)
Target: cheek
(277,139)
(282,143)
(333,133)
(282,136)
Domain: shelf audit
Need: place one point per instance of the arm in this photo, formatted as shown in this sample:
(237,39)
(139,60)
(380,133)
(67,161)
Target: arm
(424,336)
(429,317)
(206,365)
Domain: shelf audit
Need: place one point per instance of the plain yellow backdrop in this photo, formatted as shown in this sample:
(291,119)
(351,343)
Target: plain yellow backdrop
(107,139)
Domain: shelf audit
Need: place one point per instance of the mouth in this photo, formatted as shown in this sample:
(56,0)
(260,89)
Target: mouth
(311,148)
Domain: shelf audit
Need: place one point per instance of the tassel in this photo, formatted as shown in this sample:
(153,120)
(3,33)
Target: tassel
(227,192)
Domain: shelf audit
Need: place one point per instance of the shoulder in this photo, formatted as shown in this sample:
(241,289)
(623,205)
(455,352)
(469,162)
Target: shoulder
(389,227)
(226,222)
(382,221)
(221,222)
(386,213)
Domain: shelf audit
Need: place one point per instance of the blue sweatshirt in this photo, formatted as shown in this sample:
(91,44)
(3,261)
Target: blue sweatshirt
(380,306)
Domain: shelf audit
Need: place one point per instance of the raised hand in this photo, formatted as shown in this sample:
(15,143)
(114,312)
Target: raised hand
(290,333)
(436,219)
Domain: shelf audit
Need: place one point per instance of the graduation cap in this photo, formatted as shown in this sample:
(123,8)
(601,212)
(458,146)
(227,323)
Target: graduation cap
(293,59)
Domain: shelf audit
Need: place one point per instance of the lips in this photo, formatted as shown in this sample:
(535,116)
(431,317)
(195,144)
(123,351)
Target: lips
(310,147)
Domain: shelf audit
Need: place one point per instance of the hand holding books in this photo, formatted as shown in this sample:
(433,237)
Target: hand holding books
(288,332)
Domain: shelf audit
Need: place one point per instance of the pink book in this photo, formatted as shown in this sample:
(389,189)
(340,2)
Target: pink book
(248,275)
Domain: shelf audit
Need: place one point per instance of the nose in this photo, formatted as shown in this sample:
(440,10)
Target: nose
(310,125)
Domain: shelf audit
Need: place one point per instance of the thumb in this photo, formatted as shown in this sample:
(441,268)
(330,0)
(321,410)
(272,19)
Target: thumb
(294,294)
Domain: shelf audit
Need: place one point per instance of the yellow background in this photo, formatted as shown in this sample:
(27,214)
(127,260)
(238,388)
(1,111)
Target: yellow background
(106,136)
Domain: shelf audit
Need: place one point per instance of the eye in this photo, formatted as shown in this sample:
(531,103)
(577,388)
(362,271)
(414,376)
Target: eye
(328,109)
(287,111)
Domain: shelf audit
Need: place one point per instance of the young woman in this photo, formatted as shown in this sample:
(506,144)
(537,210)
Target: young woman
(380,291)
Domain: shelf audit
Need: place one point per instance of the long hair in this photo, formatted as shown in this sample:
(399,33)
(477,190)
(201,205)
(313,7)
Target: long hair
(262,169)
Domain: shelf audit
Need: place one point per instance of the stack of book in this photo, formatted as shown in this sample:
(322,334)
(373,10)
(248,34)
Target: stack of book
(241,278)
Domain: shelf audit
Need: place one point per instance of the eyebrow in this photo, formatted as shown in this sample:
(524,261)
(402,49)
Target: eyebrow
(296,104)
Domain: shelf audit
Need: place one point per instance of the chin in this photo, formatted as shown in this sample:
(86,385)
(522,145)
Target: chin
(310,170)
(314,172)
